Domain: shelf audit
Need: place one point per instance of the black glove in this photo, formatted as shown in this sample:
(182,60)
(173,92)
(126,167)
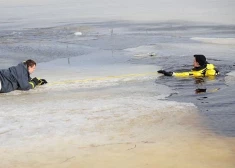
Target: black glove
(165,73)
(42,81)
(35,80)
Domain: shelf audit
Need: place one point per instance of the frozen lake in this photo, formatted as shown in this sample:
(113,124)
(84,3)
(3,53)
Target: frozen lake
(105,105)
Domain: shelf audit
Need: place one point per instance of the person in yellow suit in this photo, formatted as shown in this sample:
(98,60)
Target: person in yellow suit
(201,68)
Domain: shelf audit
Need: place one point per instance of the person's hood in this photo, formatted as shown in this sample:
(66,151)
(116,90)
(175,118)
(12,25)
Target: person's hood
(201,59)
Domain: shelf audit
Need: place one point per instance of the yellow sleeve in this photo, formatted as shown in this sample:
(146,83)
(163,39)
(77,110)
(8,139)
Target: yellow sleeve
(208,71)
(187,74)
(182,74)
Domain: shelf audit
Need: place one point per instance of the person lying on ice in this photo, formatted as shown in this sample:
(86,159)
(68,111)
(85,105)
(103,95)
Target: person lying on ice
(18,77)
(201,68)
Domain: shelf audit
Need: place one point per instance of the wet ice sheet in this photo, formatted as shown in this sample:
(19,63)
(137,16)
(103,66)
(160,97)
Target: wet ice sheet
(81,113)
(86,85)
(70,128)
(99,69)
(135,39)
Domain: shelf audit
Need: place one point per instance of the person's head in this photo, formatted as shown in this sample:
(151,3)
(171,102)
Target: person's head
(199,60)
(31,65)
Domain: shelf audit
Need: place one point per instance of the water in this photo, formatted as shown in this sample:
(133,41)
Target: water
(105,105)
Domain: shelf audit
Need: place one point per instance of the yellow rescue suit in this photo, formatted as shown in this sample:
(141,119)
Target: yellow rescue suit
(207,70)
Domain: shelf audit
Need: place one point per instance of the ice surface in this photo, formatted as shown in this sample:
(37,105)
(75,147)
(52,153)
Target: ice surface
(230,78)
(227,41)
(102,103)
(56,111)
(38,14)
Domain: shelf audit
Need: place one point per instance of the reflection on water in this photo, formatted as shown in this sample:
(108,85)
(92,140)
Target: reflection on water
(198,90)
(201,86)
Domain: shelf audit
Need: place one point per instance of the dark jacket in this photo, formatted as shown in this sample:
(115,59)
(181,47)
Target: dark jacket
(15,78)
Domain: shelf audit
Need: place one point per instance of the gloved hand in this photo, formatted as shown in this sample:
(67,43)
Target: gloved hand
(42,81)
(165,73)
(35,80)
